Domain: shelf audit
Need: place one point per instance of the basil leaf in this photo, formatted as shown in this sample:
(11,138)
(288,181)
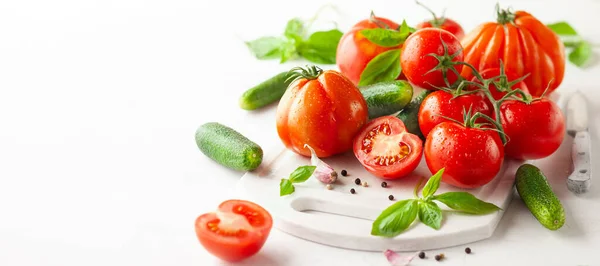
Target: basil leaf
(466,202)
(302,173)
(433,184)
(430,214)
(581,54)
(562,28)
(395,219)
(321,46)
(404,29)
(265,47)
(288,50)
(384,67)
(294,29)
(411,29)
(286,187)
(384,37)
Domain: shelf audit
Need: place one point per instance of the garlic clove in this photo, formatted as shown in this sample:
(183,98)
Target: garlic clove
(396,259)
(324,173)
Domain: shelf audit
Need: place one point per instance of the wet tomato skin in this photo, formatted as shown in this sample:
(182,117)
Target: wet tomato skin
(471,157)
(386,149)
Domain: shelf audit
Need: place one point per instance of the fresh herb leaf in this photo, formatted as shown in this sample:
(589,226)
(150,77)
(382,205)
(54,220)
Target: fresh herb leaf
(266,47)
(433,184)
(384,37)
(395,219)
(288,50)
(384,67)
(286,187)
(411,29)
(562,28)
(404,29)
(321,46)
(466,202)
(581,54)
(295,29)
(430,214)
(302,173)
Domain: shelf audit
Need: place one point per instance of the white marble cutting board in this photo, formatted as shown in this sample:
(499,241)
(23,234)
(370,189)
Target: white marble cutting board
(338,218)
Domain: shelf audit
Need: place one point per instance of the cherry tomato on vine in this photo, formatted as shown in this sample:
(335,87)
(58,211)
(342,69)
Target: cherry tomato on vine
(355,51)
(525,45)
(386,149)
(495,72)
(440,104)
(424,70)
(441,23)
(535,130)
(471,156)
(323,109)
(236,231)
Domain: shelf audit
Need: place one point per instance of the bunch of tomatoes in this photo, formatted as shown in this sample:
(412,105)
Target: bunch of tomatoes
(488,99)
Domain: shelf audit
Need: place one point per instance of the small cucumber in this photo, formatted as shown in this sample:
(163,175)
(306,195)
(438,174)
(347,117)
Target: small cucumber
(410,114)
(386,98)
(228,147)
(538,196)
(265,93)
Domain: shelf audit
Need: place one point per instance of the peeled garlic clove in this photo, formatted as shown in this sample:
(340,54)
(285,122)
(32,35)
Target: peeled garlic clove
(396,259)
(323,172)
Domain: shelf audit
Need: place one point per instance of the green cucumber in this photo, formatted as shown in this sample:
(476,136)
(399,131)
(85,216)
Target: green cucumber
(386,98)
(410,114)
(265,93)
(539,197)
(228,147)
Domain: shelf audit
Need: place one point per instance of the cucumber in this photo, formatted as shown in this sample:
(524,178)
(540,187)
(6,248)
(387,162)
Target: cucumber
(228,147)
(265,93)
(386,98)
(538,196)
(410,114)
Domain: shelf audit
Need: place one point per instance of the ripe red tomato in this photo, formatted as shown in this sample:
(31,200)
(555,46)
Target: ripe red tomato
(323,109)
(494,72)
(236,231)
(534,130)
(416,62)
(440,103)
(444,24)
(472,157)
(354,51)
(524,44)
(386,149)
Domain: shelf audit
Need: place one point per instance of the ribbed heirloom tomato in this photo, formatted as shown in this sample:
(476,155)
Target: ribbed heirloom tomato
(355,51)
(323,109)
(525,45)
(236,231)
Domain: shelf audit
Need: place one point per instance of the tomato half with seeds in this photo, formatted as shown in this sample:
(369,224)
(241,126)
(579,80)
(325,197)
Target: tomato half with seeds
(386,149)
(236,231)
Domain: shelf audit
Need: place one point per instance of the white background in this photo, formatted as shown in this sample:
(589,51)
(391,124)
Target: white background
(100,100)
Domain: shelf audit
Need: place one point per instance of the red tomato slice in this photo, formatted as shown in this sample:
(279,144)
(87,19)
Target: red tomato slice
(386,149)
(236,231)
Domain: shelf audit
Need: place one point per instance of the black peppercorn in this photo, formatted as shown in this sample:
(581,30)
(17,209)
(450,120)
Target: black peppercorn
(357,181)
(438,257)
(383,184)
(344,173)
(391,197)
(352,191)
(422,255)
(468,250)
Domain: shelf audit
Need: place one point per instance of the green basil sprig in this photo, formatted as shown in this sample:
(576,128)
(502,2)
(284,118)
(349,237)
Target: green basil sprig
(581,50)
(399,216)
(319,47)
(301,174)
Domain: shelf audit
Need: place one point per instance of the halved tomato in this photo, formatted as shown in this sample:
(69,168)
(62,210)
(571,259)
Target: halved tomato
(236,231)
(386,149)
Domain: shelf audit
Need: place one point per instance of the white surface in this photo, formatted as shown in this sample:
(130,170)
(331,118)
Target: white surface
(349,217)
(100,101)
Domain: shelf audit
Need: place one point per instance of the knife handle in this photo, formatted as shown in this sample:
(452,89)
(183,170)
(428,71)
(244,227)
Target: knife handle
(580,180)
